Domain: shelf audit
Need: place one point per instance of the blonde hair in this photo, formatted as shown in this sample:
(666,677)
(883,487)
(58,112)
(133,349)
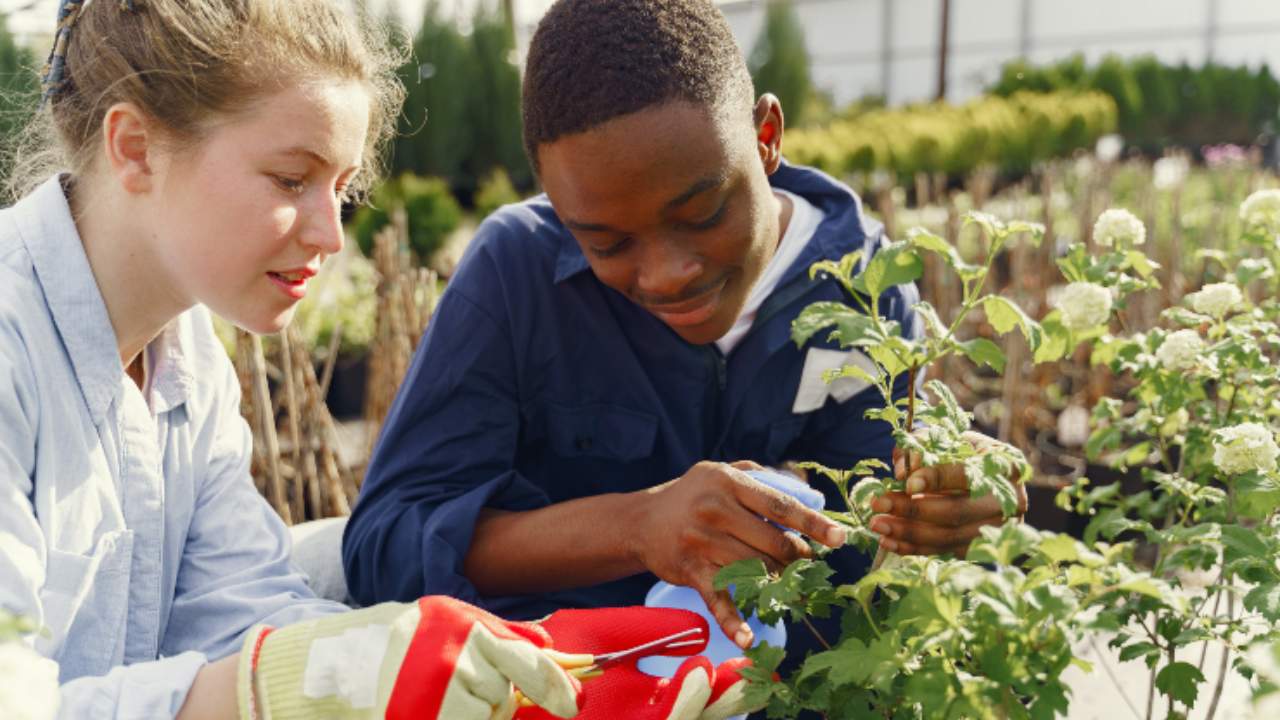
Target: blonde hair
(188,64)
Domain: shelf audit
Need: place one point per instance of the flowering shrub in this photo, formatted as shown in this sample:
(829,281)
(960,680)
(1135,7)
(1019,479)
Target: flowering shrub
(990,636)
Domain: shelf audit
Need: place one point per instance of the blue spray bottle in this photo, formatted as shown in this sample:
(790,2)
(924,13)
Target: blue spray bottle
(721,647)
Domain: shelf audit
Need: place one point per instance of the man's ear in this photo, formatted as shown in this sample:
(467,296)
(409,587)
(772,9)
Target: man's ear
(769,126)
(129,142)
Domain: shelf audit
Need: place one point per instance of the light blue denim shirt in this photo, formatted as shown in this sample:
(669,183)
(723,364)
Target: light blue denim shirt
(130,528)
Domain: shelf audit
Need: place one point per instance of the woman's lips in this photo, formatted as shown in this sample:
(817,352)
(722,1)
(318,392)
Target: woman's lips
(293,285)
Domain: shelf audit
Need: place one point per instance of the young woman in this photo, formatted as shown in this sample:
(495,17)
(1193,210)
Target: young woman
(194,154)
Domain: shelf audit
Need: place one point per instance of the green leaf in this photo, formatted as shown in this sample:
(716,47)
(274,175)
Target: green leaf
(894,264)
(1004,544)
(1142,650)
(1257,496)
(1265,600)
(1242,542)
(989,474)
(1180,681)
(925,240)
(984,352)
(1005,314)
(1060,548)
(1057,339)
(743,572)
(852,327)
(1140,262)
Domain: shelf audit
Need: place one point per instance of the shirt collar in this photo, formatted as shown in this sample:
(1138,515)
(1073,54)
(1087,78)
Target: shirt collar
(79,312)
(172,379)
(569,261)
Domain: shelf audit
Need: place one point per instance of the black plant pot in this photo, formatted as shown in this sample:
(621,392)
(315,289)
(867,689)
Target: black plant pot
(347,389)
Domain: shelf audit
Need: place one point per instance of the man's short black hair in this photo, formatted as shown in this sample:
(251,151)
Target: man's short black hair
(594,60)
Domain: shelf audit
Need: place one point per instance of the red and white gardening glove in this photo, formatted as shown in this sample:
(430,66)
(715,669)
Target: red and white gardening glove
(697,691)
(438,658)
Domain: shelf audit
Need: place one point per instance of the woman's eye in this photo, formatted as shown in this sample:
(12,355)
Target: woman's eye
(290,184)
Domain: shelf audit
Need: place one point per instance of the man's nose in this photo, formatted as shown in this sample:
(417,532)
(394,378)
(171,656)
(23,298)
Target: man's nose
(667,270)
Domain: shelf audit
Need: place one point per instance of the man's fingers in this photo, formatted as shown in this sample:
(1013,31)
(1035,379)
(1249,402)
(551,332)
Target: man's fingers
(767,540)
(917,538)
(904,463)
(787,512)
(944,510)
(943,478)
(728,550)
(725,613)
(746,465)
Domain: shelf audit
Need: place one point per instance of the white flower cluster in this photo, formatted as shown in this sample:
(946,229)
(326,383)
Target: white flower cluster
(28,684)
(1119,228)
(1216,299)
(1261,212)
(1084,306)
(1244,448)
(1180,350)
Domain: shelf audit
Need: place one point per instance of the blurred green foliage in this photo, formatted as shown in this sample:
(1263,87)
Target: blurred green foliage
(1011,133)
(461,117)
(431,211)
(495,191)
(779,62)
(19,91)
(1159,104)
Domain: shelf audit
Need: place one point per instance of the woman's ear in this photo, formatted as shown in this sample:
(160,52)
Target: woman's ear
(769,126)
(129,142)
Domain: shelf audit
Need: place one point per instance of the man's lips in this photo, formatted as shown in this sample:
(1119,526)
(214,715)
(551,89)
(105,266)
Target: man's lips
(694,311)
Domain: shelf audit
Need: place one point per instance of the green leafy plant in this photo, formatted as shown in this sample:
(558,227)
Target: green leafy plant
(991,635)
(430,209)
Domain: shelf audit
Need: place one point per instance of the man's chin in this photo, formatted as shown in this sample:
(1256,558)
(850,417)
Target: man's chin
(703,334)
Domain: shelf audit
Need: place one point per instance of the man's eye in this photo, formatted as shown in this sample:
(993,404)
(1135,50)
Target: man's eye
(711,221)
(610,251)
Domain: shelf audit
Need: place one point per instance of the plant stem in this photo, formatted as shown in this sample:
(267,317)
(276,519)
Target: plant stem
(1226,655)
(1151,693)
(1102,660)
(821,640)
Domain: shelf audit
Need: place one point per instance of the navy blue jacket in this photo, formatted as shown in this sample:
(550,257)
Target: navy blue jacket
(536,384)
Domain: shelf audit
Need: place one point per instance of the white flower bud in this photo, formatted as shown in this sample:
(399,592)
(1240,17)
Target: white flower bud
(1120,228)
(28,684)
(1261,212)
(1216,299)
(1084,306)
(1244,448)
(1180,350)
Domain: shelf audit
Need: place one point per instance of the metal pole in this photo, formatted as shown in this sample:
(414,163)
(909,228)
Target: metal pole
(886,47)
(1024,41)
(943,49)
(1210,29)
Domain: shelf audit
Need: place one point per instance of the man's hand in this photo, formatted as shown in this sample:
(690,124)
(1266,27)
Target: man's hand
(935,515)
(712,517)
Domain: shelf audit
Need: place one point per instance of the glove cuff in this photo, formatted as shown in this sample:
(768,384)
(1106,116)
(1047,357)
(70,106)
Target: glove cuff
(248,663)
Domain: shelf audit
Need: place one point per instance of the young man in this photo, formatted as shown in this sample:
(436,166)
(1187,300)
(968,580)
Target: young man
(611,356)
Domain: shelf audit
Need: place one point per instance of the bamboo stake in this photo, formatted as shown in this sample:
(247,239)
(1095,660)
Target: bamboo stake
(266,423)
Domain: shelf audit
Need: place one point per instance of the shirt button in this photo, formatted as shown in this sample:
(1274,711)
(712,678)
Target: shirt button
(583,442)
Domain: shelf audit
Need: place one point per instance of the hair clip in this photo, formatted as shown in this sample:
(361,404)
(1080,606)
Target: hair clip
(54,69)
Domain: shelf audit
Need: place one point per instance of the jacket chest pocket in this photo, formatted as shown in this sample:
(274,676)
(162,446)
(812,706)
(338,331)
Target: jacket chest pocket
(85,601)
(607,432)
